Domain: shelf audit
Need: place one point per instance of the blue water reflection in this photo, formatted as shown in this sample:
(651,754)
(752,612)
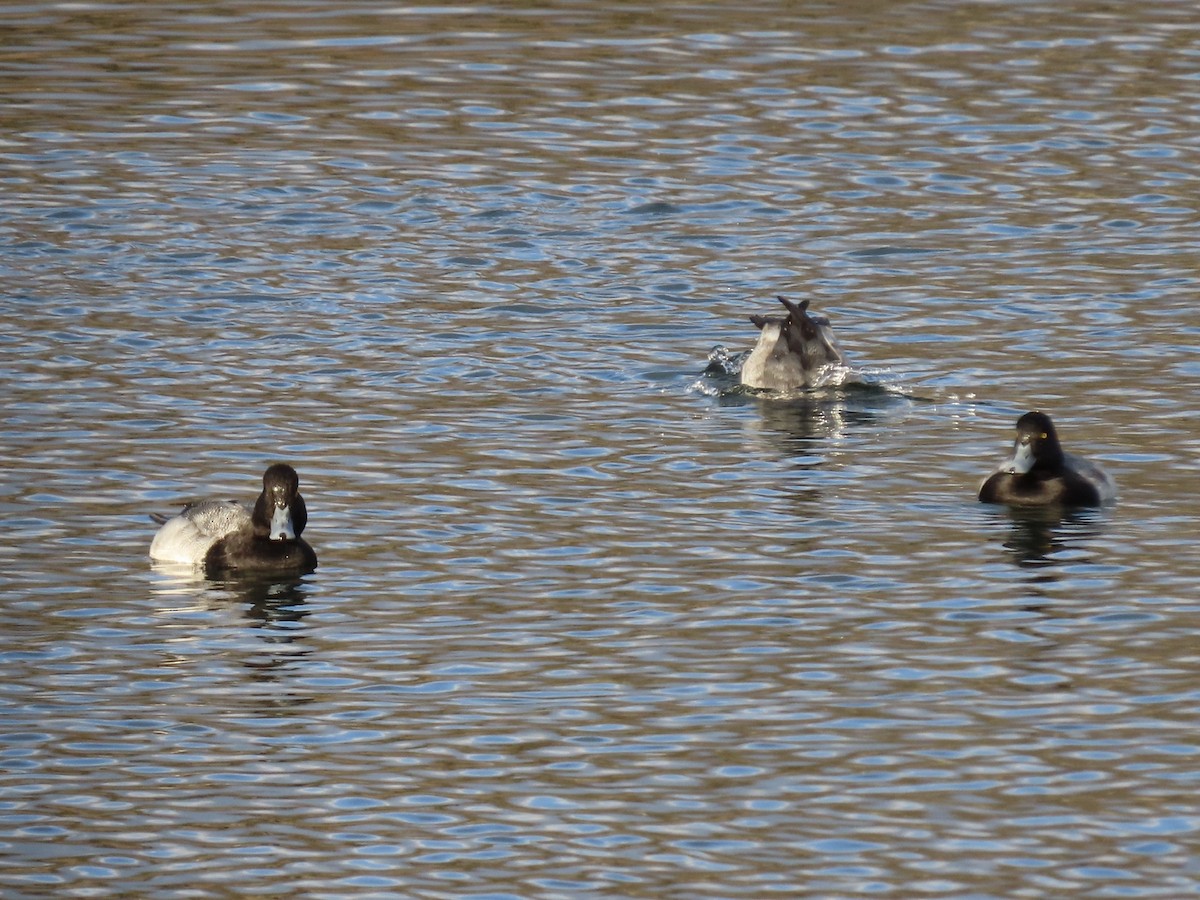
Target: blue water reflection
(590,618)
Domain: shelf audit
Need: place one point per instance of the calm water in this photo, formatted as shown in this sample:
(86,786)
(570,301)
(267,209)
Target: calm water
(588,623)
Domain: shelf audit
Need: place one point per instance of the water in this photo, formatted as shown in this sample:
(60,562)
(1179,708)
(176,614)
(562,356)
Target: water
(587,622)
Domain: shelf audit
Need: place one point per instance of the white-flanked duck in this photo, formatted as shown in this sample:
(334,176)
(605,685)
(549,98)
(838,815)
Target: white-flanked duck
(225,536)
(796,351)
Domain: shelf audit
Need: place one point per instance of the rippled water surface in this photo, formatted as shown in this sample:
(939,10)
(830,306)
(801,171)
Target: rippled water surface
(588,620)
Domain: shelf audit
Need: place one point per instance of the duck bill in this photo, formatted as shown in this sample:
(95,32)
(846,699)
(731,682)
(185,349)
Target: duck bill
(282,528)
(1022,460)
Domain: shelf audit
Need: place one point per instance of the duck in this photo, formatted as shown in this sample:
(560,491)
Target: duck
(225,536)
(792,352)
(1040,473)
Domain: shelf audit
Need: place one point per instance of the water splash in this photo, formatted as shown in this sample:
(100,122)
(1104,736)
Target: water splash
(720,378)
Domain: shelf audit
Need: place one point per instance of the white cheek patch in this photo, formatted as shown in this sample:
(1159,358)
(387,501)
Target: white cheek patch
(281,524)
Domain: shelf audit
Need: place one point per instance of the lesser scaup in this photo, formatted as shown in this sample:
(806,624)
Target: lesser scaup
(792,352)
(1041,474)
(224,535)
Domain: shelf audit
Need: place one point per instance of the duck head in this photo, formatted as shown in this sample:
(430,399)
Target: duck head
(1036,444)
(280,513)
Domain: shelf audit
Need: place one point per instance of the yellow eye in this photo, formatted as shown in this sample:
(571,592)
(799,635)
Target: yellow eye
(1042,435)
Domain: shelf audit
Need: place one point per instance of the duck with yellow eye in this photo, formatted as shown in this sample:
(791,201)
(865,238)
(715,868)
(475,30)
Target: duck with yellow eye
(1040,473)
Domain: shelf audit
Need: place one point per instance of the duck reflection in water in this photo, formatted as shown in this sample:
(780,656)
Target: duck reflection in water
(798,424)
(271,602)
(272,607)
(1049,537)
